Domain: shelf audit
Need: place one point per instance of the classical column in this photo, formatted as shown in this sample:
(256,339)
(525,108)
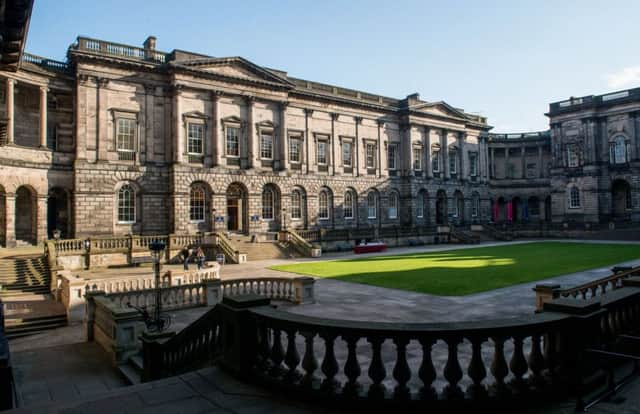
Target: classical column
(43,116)
(216,144)
(148,149)
(177,124)
(427,151)
(307,113)
(445,154)
(461,139)
(284,153)
(10,219)
(253,144)
(334,155)
(633,133)
(523,160)
(10,110)
(492,168)
(540,166)
(101,105)
(356,145)
(41,218)
(380,123)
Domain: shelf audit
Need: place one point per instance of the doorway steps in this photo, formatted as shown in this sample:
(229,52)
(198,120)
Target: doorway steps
(24,274)
(264,250)
(32,314)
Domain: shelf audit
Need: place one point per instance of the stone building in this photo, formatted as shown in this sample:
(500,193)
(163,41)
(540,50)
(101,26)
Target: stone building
(121,139)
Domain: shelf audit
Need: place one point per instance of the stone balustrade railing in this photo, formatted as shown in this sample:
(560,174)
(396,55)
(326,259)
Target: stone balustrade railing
(301,245)
(297,289)
(120,50)
(173,297)
(407,366)
(546,292)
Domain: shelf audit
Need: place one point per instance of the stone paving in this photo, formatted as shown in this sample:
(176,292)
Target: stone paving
(211,391)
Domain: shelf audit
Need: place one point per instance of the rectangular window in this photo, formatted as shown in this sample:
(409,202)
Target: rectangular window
(392,151)
(473,164)
(295,144)
(125,134)
(417,159)
(435,161)
(573,160)
(452,162)
(195,139)
(266,145)
(419,209)
(475,207)
(233,137)
(322,152)
(346,154)
(531,170)
(371,155)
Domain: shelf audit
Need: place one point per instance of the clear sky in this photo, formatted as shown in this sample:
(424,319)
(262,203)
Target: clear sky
(506,60)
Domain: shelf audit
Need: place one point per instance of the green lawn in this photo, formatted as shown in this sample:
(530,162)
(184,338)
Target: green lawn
(465,271)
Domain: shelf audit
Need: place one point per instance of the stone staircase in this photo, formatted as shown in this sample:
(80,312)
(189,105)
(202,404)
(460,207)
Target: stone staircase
(263,250)
(24,274)
(131,371)
(31,314)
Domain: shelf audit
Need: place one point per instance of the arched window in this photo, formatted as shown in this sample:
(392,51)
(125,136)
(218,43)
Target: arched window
(371,205)
(618,150)
(420,204)
(574,197)
(267,204)
(296,205)
(348,205)
(393,205)
(126,204)
(475,205)
(197,203)
(323,206)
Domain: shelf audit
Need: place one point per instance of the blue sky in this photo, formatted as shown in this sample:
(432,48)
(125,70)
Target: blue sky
(504,59)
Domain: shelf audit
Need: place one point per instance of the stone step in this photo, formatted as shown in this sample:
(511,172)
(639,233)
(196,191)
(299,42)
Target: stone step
(16,328)
(132,370)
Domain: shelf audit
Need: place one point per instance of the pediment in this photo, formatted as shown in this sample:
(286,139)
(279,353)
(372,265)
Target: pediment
(235,68)
(439,109)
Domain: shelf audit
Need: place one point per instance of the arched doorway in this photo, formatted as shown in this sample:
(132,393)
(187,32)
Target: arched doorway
(533,208)
(547,209)
(58,213)
(458,212)
(620,199)
(517,209)
(502,210)
(441,207)
(237,219)
(25,215)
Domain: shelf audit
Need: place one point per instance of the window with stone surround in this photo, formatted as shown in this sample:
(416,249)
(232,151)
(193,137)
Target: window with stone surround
(619,150)
(347,154)
(296,205)
(232,138)
(417,159)
(573,156)
(453,161)
(321,151)
(268,202)
(421,203)
(574,197)
(323,205)
(473,164)
(348,209)
(370,150)
(475,205)
(295,148)
(126,204)
(392,156)
(393,205)
(195,138)
(435,159)
(372,205)
(126,137)
(197,204)
(532,170)
(266,145)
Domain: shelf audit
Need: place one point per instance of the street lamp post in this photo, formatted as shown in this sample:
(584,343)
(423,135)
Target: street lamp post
(214,219)
(56,237)
(284,218)
(157,247)
(87,249)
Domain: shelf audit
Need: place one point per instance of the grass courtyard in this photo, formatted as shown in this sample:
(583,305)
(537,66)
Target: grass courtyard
(465,271)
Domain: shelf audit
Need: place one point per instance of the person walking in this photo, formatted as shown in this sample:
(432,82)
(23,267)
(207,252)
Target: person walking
(185,257)
(200,257)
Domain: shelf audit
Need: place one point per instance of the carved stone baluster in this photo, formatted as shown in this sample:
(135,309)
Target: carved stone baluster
(550,356)
(401,371)
(476,371)
(452,371)
(292,359)
(351,367)
(499,367)
(277,354)
(427,372)
(536,363)
(518,364)
(329,365)
(309,361)
(377,371)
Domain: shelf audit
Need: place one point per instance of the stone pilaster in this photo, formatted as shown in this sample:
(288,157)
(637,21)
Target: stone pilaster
(461,155)
(253,155)
(540,162)
(427,151)
(357,146)
(101,147)
(284,141)
(178,140)
(380,124)
(334,155)
(11,118)
(41,218)
(43,116)
(147,147)
(10,219)
(308,113)
(506,162)
(523,161)
(445,154)
(492,165)
(216,141)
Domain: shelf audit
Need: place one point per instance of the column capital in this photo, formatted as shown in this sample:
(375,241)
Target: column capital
(249,99)
(175,89)
(284,105)
(149,89)
(11,81)
(357,119)
(44,88)
(335,116)
(308,112)
(103,82)
(380,122)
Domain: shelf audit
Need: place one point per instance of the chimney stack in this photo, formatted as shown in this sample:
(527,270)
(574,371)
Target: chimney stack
(150,43)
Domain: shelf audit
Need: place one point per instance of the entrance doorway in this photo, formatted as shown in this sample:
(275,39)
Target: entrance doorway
(620,199)
(58,213)
(25,215)
(441,207)
(237,208)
